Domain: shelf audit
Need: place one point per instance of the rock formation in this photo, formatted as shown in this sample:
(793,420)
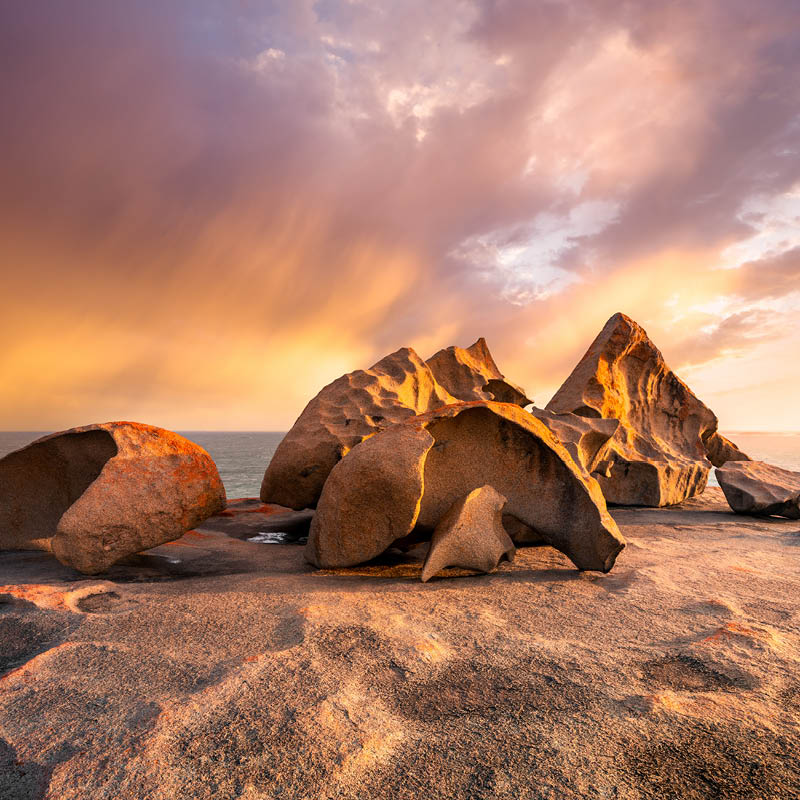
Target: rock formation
(363,402)
(663,449)
(753,487)
(371,498)
(472,374)
(585,438)
(473,444)
(470,535)
(95,494)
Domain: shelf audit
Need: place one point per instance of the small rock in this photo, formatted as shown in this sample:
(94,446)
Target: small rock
(470,535)
(753,487)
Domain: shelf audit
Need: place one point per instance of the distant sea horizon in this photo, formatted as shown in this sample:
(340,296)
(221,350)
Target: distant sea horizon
(242,456)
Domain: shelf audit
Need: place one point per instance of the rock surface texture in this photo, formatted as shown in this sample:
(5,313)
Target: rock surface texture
(471,374)
(95,494)
(753,487)
(363,402)
(667,439)
(371,498)
(341,416)
(470,445)
(470,535)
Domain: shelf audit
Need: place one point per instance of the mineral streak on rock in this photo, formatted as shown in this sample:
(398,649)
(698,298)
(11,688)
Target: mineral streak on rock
(470,535)
(371,498)
(343,414)
(472,374)
(662,452)
(753,487)
(473,444)
(95,494)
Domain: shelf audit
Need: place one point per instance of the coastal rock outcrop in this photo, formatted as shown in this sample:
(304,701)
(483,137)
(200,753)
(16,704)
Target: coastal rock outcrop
(359,404)
(753,487)
(470,535)
(471,374)
(475,444)
(371,498)
(667,438)
(342,415)
(95,494)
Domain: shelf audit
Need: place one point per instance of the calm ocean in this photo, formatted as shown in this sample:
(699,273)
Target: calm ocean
(243,456)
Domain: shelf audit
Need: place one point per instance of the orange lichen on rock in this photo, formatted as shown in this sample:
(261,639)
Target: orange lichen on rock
(95,494)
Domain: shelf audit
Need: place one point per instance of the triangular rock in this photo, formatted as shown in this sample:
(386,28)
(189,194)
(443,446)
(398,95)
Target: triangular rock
(661,452)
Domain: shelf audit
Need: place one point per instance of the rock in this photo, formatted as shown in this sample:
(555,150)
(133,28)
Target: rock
(343,414)
(720,450)
(661,452)
(520,533)
(472,374)
(371,498)
(469,445)
(585,438)
(95,494)
(470,535)
(753,487)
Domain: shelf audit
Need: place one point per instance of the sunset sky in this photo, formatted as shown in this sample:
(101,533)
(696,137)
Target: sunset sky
(211,209)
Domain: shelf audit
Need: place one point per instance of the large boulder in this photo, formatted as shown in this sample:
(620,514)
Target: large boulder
(359,404)
(471,374)
(667,438)
(753,487)
(470,535)
(95,494)
(343,414)
(371,498)
(470,445)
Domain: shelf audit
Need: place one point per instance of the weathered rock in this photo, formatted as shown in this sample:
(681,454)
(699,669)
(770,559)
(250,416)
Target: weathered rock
(470,535)
(660,452)
(585,438)
(95,494)
(520,533)
(720,450)
(371,498)
(472,374)
(753,487)
(343,414)
(473,444)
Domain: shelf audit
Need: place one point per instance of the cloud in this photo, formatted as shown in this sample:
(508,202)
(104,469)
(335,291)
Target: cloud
(208,210)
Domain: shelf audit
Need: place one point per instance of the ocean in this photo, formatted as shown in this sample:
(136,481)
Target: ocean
(242,456)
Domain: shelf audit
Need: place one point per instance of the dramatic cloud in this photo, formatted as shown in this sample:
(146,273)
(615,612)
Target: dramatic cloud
(210,209)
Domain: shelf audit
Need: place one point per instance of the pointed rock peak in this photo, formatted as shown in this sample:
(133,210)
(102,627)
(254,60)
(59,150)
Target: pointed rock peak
(472,374)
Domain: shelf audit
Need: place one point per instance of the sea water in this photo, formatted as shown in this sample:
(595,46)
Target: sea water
(242,456)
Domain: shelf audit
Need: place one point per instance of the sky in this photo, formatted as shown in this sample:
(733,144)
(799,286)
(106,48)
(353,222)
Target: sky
(209,210)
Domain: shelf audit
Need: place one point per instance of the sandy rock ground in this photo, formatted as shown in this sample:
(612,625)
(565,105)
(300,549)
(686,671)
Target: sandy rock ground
(216,667)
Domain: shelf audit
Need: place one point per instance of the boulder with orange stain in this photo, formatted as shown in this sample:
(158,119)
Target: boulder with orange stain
(667,438)
(95,494)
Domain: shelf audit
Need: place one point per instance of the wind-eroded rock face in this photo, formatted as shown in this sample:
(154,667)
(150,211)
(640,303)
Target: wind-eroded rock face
(95,494)
(360,403)
(667,439)
(470,535)
(753,487)
(471,374)
(471,445)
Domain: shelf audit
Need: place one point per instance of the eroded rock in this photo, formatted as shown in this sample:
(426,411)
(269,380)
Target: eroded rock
(371,498)
(470,535)
(473,444)
(341,416)
(754,487)
(471,374)
(661,452)
(95,494)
